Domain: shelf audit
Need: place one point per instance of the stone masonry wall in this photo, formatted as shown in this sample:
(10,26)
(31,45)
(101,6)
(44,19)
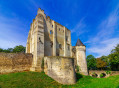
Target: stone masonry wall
(15,62)
(60,69)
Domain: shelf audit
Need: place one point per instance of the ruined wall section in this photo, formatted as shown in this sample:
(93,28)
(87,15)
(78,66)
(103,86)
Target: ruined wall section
(15,62)
(60,40)
(48,33)
(60,69)
(68,46)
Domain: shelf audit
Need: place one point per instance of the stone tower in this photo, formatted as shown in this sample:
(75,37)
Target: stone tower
(35,41)
(81,57)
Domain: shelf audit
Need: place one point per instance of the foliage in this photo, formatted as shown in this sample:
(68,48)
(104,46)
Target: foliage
(91,62)
(116,50)
(100,63)
(94,75)
(114,58)
(108,72)
(16,49)
(40,80)
(19,48)
(1,50)
(110,62)
(77,68)
(101,75)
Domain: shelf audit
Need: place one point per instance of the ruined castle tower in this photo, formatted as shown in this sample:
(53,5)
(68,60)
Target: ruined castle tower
(35,41)
(81,57)
(47,38)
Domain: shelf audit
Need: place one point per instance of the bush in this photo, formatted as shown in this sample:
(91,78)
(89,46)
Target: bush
(108,72)
(101,75)
(94,75)
(77,68)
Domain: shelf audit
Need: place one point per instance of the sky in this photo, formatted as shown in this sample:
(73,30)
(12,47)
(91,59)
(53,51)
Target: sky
(94,22)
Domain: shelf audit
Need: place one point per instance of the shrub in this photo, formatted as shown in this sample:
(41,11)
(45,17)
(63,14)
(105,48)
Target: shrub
(101,75)
(77,68)
(94,75)
(108,72)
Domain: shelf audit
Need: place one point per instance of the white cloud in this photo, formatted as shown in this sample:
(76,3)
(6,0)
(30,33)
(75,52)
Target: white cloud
(79,28)
(12,32)
(104,47)
(103,42)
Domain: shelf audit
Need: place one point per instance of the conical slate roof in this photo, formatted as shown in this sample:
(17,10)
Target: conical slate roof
(79,43)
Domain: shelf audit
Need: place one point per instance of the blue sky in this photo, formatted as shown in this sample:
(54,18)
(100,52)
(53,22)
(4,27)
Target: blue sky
(95,22)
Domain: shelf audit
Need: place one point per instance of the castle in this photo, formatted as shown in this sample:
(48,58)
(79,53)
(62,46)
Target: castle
(49,38)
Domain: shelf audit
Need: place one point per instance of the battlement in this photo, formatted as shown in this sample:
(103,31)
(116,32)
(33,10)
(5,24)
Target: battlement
(40,11)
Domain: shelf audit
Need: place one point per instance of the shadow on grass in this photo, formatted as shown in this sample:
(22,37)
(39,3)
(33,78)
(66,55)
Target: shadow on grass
(117,87)
(78,76)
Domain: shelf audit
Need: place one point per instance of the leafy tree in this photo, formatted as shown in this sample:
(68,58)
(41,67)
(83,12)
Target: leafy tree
(116,50)
(19,48)
(106,59)
(91,62)
(114,61)
(114,58)
(1,50)
(100,63)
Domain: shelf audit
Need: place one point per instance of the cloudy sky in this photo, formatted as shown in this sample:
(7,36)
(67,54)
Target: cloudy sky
(95,22)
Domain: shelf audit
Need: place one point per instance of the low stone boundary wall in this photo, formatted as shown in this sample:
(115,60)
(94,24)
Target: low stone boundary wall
(60,69)
(15,62)
(98,72)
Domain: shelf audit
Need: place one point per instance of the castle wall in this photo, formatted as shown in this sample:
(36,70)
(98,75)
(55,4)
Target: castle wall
(48,43)
(15,62)
(68,42)
(59,40)
(60,69)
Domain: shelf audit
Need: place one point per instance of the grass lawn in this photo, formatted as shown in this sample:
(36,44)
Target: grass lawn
(40,80)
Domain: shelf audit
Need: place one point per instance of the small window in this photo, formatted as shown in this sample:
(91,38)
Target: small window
(52,26)
(51,32)
(68,47)
(60,46)
(63,31)
(51,44)
(59,29)
(66,38)
(40,40)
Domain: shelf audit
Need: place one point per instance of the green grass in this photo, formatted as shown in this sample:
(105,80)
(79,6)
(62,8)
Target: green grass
(40,80)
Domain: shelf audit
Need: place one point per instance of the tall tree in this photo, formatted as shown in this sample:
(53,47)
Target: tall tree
(91,62)
(101,64)
(1,50)
(114,58)
(19,48)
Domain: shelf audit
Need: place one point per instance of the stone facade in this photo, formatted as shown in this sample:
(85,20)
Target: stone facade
(15,62)
(61,69)
(49,38)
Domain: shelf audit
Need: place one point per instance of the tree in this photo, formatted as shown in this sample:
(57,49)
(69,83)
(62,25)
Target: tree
(19,48)
(91,62)
(106,59)
(114,58)
(101,64)
(1,50)
(116,50)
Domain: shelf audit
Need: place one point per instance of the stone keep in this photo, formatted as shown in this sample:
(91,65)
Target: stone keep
(49,38)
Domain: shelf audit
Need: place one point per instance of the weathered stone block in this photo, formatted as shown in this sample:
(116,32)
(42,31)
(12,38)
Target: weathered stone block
(15,62)
(60,69)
